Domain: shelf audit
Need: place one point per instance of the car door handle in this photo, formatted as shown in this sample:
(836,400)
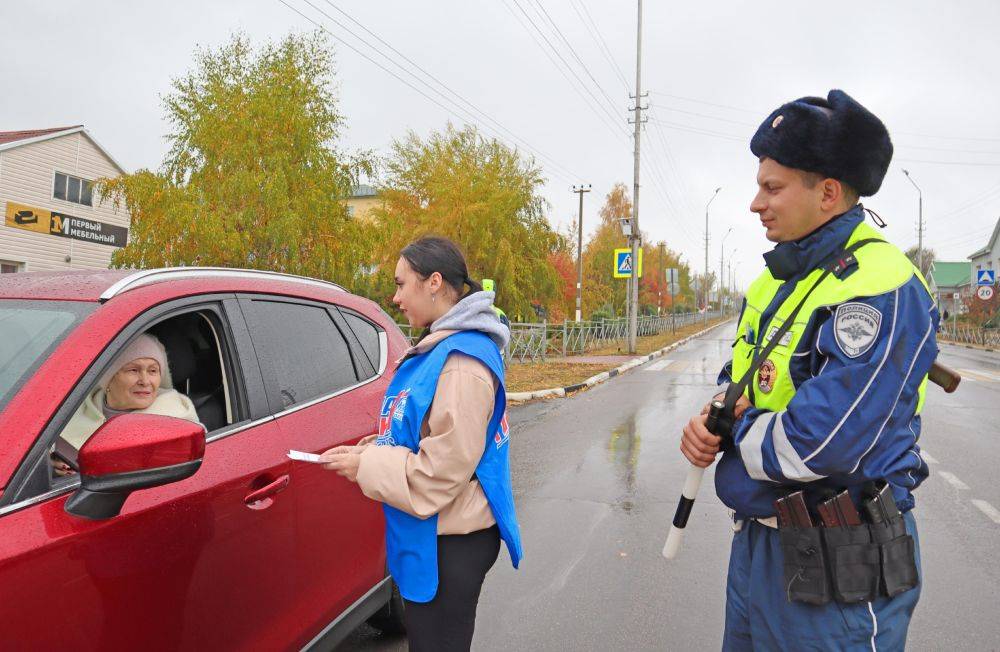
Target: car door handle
(267,491)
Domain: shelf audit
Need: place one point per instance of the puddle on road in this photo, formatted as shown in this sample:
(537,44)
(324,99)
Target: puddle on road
(623,451)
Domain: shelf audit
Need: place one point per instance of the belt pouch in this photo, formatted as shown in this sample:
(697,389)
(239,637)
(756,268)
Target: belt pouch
(898,556)
(854,563)
(804,565)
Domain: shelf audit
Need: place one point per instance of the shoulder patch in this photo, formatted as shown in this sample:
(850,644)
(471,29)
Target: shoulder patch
(855,327)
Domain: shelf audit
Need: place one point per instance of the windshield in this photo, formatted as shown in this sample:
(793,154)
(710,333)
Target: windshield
(29,332)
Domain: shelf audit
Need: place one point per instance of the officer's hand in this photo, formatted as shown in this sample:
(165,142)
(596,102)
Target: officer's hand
(741,405)
(699,445)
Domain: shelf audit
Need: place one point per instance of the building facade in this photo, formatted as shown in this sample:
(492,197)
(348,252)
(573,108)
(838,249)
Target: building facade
(53,218)
(989,256)
(947,279)
(362,200)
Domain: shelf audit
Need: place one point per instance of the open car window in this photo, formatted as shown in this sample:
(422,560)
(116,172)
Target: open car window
(195,385)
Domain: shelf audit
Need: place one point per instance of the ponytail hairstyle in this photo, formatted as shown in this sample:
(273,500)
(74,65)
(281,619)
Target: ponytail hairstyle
(436,254)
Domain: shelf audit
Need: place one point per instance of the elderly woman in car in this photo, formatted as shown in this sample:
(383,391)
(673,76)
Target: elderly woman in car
(137,381)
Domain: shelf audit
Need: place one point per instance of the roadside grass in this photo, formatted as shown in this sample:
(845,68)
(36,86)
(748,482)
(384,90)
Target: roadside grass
(652,343)
(531,376)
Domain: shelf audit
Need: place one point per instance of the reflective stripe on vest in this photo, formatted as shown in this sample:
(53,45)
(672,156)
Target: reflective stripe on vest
(881,268)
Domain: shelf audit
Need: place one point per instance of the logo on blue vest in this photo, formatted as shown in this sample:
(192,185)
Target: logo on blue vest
(855,328)
(503,434)
(392,408)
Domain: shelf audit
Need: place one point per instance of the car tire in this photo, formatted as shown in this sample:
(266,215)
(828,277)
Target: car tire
(389,619)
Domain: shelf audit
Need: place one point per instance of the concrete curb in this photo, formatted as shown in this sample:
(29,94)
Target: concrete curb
(562,392)
(977,347)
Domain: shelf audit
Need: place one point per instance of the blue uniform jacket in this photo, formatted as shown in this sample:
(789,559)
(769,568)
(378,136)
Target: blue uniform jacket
(851,419)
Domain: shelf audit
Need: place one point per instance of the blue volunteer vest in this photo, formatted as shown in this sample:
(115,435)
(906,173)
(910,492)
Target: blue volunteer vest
(411,542)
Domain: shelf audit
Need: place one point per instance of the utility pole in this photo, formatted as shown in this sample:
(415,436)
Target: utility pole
(705,283)
(661,275)
(920,223)
(579,253)
(633,302)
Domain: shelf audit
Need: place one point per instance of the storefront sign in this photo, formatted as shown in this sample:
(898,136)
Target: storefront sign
(40,220)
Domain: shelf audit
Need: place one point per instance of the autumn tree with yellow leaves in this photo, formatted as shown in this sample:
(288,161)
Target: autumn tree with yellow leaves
(253,177)
(481,194)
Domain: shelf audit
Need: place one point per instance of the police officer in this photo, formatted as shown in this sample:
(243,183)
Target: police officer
(837,402)
(490,286)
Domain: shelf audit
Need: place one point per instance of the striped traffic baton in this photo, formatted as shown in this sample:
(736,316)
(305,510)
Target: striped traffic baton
(690,491)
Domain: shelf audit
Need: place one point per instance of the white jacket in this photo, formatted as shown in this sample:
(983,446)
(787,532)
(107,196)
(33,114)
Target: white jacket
(90,416)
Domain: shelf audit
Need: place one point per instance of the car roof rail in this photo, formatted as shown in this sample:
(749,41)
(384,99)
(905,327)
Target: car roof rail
(148,276)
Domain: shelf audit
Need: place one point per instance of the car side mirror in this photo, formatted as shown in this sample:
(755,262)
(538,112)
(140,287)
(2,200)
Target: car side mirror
(131,452)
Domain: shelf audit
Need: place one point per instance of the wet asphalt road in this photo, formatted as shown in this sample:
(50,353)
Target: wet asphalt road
(596,481)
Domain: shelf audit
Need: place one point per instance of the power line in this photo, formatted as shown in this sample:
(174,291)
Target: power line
(572,50)
(658,174)
(566,174)
(531,32)
(696,130)
(720,106)
(440,83)
(710,117)
(685,194)
(963,163)
(602,45)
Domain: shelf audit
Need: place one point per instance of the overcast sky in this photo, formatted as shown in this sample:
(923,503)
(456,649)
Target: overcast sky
(714,70)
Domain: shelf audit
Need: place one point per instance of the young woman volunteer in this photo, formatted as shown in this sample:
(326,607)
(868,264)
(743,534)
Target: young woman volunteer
(440,462)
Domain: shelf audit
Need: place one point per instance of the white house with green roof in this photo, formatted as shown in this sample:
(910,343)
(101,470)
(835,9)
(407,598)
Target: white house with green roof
(948,279)
(989,256)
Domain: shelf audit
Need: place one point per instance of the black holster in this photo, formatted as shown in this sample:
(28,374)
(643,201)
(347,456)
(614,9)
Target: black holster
(897,555)
(805,566)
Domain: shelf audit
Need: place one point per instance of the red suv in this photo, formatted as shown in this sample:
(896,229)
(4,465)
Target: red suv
(167,534)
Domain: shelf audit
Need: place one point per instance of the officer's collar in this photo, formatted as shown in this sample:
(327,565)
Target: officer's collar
(789,259)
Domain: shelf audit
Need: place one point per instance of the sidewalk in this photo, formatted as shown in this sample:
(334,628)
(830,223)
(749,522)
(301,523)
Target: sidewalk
(560,376)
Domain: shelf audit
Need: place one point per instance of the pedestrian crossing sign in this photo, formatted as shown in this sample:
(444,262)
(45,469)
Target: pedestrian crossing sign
(983,276)
(623,263)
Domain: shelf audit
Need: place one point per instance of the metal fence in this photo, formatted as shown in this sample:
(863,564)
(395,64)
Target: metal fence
(534,342)
(962,334)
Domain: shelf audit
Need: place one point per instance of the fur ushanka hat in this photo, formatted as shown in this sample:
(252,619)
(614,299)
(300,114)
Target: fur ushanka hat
(835,137)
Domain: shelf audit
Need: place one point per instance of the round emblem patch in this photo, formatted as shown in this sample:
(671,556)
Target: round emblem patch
(766,376)
(856,327)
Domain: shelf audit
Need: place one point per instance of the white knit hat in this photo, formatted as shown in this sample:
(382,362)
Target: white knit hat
(144,346)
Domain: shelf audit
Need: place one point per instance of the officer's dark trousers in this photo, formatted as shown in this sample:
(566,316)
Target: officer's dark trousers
(760,617)
(446,623)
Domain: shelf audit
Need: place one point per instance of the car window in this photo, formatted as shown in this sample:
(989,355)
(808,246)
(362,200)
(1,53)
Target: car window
(306,350)
(367,336)
(192,383)
(29,331)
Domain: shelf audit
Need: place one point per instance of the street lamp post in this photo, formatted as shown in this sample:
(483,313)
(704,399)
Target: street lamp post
(722,269)
(727,279)
(920,222)
(705,280)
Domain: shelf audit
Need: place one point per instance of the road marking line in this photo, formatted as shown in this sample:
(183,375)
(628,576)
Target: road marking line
(928,457)
(953,480)
(680,365)
(988,509)
(979,374)
(659,365)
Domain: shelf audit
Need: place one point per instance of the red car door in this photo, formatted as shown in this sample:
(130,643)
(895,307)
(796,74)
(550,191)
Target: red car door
(188,565)
(325,394)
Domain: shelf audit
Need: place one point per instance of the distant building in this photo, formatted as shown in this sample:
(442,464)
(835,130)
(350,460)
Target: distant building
(948,279)
(989,256)
(52,218)
(361,202)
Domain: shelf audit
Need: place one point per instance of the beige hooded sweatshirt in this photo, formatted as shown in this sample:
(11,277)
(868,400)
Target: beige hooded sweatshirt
(438,478)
